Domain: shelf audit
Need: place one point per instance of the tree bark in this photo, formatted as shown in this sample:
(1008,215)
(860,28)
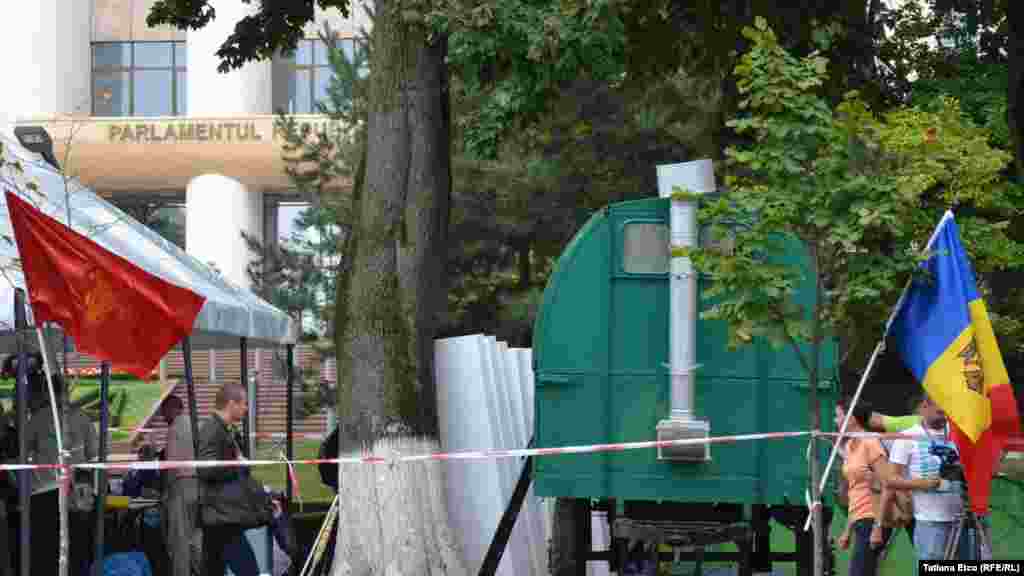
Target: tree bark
(393,301)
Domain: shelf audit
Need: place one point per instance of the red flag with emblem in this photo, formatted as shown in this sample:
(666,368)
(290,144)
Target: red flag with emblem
(114,310)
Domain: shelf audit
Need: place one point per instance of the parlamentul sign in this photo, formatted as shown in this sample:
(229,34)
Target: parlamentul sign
(205,131)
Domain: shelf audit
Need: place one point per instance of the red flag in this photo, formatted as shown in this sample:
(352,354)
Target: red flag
(980,459)
(114,310)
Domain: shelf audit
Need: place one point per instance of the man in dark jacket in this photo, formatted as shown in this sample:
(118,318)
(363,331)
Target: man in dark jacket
(217,442)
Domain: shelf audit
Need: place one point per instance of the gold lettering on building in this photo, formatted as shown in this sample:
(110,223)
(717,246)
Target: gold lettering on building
(150,132)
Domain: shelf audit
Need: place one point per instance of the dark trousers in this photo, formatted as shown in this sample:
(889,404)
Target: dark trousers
(864,558)
(45,537)
(227,544)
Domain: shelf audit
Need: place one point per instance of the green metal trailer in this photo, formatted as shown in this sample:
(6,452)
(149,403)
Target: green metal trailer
(602,346)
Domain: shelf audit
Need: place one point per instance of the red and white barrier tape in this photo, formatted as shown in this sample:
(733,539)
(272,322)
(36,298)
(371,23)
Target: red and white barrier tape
(398,458)
(444,456)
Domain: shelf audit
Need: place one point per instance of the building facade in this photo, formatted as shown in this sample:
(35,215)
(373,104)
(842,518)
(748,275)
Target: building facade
(142,116)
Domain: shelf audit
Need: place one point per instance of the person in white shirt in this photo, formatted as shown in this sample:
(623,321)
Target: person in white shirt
(937,502)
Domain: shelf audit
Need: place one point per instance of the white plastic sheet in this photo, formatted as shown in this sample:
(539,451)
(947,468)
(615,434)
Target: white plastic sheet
(229,313)
(482,387)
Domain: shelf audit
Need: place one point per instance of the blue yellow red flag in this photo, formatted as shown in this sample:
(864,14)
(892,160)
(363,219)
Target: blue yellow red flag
(944,334)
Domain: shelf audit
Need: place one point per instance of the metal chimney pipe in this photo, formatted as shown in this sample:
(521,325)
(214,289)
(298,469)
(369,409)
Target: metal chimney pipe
(697,177)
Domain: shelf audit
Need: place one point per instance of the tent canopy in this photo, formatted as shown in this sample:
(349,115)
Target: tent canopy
(229,313)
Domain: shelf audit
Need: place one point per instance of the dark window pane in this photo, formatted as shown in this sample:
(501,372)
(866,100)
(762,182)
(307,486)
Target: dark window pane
(110,94)
(153,55)
(153,93)
(180,55)
(304,54)
(117,55)
(299,92)
(182,95)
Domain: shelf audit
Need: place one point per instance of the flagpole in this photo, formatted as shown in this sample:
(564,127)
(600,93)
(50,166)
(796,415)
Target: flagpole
(101,474)
(62,474)
(874,356)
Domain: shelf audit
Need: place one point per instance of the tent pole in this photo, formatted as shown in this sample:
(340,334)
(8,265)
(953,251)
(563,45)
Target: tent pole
(186,349)
(101,476)
(186,352)
(244,377)
(289,422)
(24,476)
(21,401)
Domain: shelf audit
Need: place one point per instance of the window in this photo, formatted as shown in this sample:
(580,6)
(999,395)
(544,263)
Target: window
(138,79)
(645,248)
(717,240)
(310,74)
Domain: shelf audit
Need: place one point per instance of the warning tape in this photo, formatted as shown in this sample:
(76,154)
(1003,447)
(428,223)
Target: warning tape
(398,458)
(466,455)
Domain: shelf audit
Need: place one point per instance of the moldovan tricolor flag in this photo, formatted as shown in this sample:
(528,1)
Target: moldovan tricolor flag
(114,310)
(944,334)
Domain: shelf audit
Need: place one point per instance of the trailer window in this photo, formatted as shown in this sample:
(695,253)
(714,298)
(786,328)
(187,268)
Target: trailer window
(717,240)
(645,248)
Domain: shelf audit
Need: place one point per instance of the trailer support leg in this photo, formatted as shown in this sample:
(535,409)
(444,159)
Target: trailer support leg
(584,528)
(804,552)
(761,523)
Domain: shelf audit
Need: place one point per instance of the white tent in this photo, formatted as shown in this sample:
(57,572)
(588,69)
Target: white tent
(230,313)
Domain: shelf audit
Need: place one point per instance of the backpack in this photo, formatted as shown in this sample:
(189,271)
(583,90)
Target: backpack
(329,451)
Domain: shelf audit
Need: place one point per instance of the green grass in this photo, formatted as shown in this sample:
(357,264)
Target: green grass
(141,397)
(311,489)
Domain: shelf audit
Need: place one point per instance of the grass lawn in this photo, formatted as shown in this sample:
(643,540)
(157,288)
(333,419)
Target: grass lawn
(140,399)
(311,488)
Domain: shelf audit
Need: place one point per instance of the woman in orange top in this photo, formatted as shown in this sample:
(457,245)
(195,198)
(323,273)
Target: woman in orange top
(865,458)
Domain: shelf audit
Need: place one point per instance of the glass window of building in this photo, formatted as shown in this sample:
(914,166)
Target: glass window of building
(310,74)
(139,79)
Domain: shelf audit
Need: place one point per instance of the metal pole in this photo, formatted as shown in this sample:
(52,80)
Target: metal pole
(186,350)
(101,477)
(24,476)
(874,356)
(289,423)
(244,377)
(508,521)
(63,474)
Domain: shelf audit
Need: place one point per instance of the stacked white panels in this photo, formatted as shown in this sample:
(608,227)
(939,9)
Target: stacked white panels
(485,393)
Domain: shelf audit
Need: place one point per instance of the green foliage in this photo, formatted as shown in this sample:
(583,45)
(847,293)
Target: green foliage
(274,27)
(300,275)
(856,195)
(513,56)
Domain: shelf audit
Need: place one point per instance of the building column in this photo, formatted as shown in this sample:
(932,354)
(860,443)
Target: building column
(243,91)
(49,62)
(218,210)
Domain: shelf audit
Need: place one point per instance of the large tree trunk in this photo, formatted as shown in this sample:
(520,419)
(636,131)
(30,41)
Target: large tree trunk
(394,294)
(390,303)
